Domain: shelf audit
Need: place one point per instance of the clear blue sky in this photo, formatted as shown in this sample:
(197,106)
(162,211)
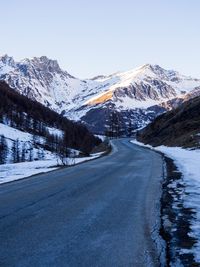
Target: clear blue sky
(90,37)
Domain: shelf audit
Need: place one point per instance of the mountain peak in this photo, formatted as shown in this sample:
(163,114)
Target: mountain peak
(145,66)
(45,62)
(7,60)
(155,69)
(152,67)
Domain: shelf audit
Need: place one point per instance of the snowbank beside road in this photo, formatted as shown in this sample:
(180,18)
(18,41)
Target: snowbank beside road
(16,171)
(188,163)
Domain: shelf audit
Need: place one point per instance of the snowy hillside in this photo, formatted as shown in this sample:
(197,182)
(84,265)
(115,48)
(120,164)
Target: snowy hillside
(35,139)
(34,158)
(26,144)
(132,93)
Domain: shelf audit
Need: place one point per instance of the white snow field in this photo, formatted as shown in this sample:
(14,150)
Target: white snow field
(188,163)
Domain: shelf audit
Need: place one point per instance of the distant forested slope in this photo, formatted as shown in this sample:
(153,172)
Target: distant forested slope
(179,127)
(30,116)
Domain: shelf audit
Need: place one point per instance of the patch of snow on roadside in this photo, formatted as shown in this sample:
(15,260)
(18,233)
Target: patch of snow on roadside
(188,163)
(16,171)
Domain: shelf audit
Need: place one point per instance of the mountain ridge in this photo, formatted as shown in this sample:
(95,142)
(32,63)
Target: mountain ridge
(131,92)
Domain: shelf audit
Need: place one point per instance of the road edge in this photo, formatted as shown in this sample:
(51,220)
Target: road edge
(181,235)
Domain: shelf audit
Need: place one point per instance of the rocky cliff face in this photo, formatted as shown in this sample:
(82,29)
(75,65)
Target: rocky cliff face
(138,95)
(40,79)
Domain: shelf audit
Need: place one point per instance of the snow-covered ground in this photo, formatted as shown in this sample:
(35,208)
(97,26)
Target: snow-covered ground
(55,131)
(188,163)
(13,134)
(25,139)
(49,161)
(16,171)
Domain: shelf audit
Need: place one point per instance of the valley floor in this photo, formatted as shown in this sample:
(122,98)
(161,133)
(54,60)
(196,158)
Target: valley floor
(188,163)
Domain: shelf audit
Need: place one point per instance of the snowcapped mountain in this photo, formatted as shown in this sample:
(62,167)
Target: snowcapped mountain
(40,79)
(146,85)
(136,94)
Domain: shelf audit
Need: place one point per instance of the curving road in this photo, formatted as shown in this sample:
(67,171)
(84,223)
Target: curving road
(101,213)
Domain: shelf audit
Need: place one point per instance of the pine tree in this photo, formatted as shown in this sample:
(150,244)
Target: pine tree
(16,151)
(31,152)
(3,150)
(23,154)
(40,153)
(114,127)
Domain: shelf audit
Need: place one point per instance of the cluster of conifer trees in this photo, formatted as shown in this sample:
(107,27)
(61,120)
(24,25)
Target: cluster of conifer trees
(30,116)
(3,150)
(19,151)
(114,127)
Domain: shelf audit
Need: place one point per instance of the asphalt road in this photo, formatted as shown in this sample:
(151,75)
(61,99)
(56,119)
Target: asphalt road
(101,213)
